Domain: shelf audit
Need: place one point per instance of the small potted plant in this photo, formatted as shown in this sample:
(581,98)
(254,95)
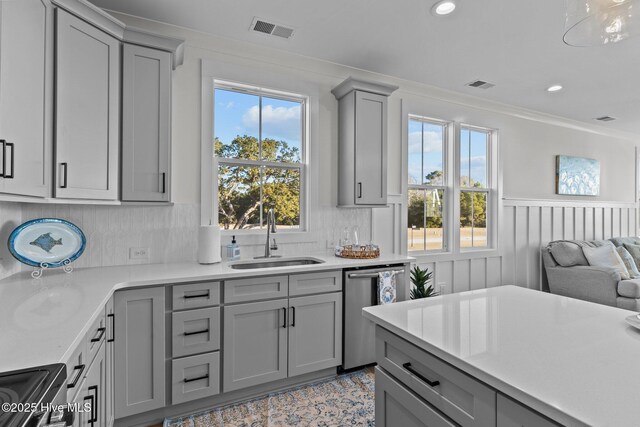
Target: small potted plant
(420,280)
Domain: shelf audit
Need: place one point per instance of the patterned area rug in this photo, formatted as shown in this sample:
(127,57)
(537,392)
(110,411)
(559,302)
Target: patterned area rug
(347,400)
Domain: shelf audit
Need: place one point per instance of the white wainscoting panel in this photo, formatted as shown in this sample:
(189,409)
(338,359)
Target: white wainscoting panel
(529,225)
(526,226)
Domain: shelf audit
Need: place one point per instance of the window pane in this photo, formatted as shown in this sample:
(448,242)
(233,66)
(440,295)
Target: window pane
(426,150)
(281,130)
(281,192)
(473,219)
(238,197)
(433,149)
(415,152)
(236,124)
(473,158)
(425,220)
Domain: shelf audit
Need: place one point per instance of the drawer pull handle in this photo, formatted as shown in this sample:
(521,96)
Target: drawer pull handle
(293,317)
(284,310)
(197,296)
(13,158)
(80,370)
(189,380)
(94,405)
(204,331)
(98,338)
(408,367)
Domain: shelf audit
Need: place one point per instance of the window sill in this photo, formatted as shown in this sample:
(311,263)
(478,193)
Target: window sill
(454,256)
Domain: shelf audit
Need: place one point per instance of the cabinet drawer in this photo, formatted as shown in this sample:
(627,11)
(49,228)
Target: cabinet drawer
(314,283)
(76,370)
(396,406)
(462,398)
(195,377)
(95,337)
(195,331)
(255,289)
(513,414)
(196,295)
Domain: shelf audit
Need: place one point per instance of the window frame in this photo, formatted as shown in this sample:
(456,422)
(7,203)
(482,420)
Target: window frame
(491,190)
(446,186)
(302,166)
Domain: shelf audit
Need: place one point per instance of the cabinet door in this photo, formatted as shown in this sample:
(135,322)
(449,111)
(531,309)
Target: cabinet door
(26,53)
(371,149)
(109,406)
(94,391)
(255,344)
(398,407)
(139,350)
(315,333)
(146,123)
(87,110)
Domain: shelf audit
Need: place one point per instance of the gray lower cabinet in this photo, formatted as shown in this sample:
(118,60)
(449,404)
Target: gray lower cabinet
(26,60)
(87,128)
(396,406)
(254,344)
(146,124)
(94,390)
(315,333)
(195,331)
(195,377)
(139,350)
(513,414)
(109,365)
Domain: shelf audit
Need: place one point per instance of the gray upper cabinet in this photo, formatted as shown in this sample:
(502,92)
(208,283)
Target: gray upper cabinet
(362,142)
(139,350)
(146,124)
(87,110)
(315,333)
(26,58)
(255,344)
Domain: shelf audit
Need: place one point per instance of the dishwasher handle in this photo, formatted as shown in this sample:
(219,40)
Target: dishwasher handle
(370,275)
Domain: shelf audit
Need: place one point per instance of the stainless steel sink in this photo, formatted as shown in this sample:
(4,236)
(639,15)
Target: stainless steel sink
(276,262)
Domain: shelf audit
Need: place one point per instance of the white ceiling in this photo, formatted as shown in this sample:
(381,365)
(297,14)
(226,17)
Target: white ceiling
(516,45)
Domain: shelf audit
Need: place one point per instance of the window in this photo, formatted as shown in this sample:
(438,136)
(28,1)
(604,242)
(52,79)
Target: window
(427,185)
(474,187)
(259,142)
(452,198)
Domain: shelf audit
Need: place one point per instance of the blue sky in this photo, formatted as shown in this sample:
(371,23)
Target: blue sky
(425,144)
(237,113)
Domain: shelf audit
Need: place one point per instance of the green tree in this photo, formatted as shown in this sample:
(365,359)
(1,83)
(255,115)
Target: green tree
(473,205)
(239,187)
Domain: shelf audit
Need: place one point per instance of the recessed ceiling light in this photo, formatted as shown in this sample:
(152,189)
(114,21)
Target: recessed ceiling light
(554,88)
(444,7)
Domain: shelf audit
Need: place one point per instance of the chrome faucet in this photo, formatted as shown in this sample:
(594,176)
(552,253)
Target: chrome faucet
(270,244)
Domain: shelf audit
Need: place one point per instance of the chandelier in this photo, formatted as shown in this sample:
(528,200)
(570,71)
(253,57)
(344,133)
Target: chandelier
(597,22)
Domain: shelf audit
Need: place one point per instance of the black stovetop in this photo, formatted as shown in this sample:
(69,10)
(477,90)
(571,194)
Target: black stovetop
(33,385)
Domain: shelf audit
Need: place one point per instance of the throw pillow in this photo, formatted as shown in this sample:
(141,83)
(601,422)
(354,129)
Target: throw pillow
(568,254)
(634,250)
(629,262)
(606,256)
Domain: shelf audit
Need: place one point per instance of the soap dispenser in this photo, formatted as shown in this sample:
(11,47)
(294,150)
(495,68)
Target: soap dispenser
(233,250)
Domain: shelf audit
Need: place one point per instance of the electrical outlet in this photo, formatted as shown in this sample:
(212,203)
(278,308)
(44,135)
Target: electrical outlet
(138,253)
(442,288)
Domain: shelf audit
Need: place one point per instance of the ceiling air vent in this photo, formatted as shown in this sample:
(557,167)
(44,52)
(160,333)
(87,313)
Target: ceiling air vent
(480,84)
(262,26)
(605,118)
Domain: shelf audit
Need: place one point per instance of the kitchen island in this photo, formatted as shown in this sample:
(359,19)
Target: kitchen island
(505,356)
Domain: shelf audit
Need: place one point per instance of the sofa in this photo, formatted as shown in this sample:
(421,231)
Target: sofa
(569,274)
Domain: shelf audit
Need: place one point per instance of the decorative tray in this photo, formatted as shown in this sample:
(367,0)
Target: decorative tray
(47,243)
(358,252)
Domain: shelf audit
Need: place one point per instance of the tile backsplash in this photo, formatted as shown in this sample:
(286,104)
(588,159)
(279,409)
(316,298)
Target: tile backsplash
(170,232)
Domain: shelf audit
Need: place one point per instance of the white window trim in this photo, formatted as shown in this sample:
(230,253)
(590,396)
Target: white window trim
(214,73)
(447,186)
(494,207)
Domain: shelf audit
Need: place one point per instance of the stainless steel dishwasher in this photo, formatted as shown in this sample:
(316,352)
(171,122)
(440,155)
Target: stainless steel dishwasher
(360,290)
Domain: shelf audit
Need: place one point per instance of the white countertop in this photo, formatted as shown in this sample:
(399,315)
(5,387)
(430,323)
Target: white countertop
(43,320)
(574,361)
